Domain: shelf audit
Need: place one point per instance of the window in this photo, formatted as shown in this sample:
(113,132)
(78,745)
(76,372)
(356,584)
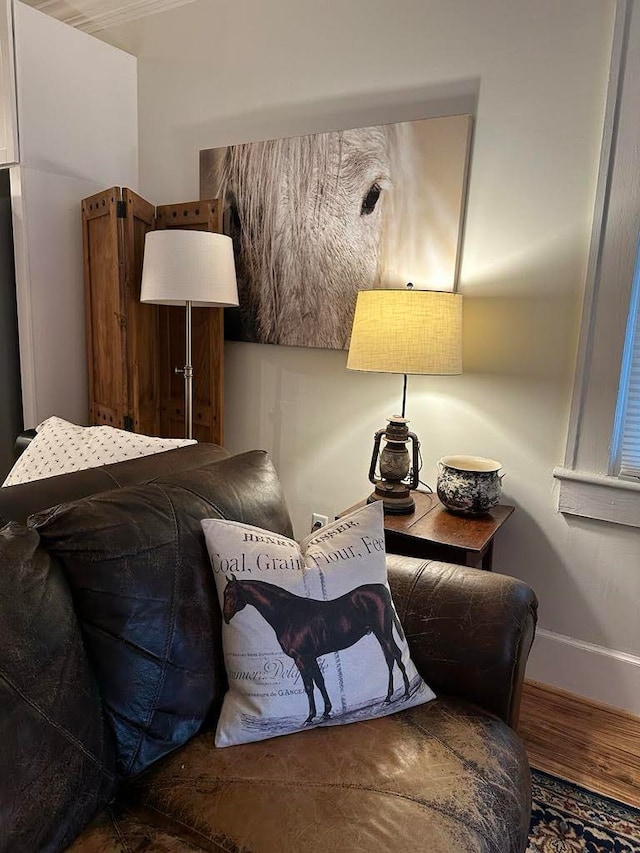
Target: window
(626,441)
(606,398)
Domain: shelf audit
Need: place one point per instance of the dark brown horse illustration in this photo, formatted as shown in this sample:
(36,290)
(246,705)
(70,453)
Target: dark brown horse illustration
(307,628)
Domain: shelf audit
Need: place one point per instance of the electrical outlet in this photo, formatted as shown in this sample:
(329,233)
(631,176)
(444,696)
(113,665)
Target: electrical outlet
(318,521)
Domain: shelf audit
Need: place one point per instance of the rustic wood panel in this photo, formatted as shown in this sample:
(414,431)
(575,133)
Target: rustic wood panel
(585,742)
(207,341)
(133,348)
(104,309)
(142,361)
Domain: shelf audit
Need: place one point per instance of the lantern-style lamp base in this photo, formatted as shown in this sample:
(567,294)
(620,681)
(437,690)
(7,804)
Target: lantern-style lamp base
(395,463)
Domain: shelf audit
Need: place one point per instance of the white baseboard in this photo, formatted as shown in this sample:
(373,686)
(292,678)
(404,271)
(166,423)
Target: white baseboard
(585,669)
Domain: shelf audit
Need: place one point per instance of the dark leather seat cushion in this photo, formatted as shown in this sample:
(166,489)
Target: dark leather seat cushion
(56,756)
(441,777)
(143,590)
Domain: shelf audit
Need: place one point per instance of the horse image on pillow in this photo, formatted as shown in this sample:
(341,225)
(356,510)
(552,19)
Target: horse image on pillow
(307,628)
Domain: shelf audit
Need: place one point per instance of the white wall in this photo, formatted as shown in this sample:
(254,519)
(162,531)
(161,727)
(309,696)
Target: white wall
(215,73)
(77,113)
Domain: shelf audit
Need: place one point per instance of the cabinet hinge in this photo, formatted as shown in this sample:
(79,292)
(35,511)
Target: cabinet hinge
(128,423)
(121,209)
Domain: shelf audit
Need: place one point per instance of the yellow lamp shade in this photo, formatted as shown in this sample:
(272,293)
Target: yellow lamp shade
(407,331)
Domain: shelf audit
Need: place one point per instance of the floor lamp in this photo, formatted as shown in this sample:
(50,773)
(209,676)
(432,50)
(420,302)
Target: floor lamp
(403,331)
(190,268)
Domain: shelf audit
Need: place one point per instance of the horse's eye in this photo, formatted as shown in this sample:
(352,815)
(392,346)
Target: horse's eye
(370,200)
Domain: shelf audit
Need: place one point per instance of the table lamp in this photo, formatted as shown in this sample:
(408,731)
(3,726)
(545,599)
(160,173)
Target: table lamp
(403,331)
(190,268)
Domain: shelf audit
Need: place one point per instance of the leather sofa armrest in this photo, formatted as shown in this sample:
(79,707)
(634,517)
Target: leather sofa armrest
(22,442)
(469,631)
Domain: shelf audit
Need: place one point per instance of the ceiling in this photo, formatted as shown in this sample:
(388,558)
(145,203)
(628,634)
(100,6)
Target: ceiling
(94,15)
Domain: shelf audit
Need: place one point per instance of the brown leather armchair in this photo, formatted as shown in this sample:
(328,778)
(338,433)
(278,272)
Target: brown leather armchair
(446,777)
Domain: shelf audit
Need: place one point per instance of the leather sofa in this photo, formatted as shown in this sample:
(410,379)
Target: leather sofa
(447,777)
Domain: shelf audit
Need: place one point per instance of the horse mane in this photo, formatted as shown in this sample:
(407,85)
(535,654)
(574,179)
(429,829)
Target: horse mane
(266,183)
(271,588)
(256,178)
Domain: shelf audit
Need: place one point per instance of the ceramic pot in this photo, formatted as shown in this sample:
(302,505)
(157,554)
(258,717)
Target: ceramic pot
(469,485)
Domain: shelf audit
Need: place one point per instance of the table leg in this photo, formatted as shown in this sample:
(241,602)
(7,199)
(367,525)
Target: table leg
(487,557)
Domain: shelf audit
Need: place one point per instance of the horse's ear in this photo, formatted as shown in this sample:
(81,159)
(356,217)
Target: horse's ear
(231,578)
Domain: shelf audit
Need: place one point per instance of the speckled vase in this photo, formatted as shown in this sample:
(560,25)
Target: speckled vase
(469,485)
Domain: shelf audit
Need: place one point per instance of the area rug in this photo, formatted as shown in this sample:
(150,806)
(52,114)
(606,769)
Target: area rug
(566,818)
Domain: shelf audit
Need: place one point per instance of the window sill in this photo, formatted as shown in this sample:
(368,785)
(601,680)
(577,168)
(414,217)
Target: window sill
(600,497)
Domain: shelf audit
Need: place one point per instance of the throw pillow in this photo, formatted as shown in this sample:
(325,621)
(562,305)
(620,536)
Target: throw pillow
(310,636)
(138,568)
(60,447)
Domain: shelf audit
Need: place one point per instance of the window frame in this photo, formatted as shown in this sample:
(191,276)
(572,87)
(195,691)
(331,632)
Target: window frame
(588,485)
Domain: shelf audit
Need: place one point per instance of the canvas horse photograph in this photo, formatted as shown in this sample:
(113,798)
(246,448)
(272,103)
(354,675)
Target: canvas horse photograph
(307,628)
(314,219)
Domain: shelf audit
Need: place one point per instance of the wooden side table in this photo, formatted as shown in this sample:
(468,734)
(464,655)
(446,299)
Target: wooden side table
(433,533)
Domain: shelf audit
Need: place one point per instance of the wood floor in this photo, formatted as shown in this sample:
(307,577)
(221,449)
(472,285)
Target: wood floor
(590,744)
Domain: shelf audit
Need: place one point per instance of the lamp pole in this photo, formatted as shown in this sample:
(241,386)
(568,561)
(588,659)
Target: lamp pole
(187,372)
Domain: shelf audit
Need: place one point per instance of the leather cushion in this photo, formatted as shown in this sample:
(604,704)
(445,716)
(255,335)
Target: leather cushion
(140,575)
(115,830)
(56,757)
(441,777)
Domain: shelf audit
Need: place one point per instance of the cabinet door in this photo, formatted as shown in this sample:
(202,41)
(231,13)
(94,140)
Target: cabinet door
(142,356)
(207,341)
(105,307)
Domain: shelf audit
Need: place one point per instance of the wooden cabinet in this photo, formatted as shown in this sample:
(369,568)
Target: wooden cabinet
(133,348)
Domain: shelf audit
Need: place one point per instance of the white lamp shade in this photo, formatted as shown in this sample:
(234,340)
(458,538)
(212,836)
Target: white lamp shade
(407,331)
(195,266)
